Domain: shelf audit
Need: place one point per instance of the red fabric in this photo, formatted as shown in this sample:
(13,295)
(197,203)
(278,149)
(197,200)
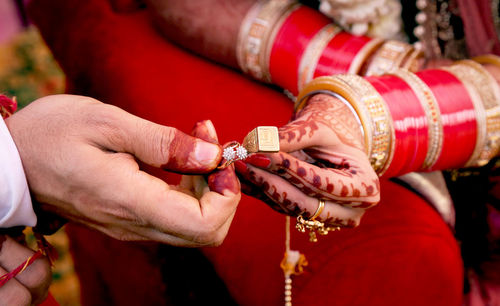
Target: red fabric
(480,32)
(7,106)
(126,6)
(49,301)
(402,254)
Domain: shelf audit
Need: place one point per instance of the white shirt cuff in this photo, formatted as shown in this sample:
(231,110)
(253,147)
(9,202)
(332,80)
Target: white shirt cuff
(15,202)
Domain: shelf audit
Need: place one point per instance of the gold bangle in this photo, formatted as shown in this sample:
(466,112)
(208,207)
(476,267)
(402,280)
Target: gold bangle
(284,14)
(254,35)
(487,59)
(471,80)
(413,62)
(365,53)
(388,57)
(489,92)
(242,44)
(370,109)
(313,52)
(432,113)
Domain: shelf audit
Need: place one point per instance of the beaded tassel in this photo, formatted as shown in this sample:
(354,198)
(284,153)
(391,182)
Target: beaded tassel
(293,263)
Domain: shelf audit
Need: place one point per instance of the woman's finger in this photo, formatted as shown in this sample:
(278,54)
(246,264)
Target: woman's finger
(340,179)
(291,200)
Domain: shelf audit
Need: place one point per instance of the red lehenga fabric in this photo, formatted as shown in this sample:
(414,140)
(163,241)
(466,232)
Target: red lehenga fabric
(402,254)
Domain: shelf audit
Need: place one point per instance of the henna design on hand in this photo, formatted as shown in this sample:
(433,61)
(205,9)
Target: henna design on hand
(330,112)
(275,193)
(324,158)
(335,184)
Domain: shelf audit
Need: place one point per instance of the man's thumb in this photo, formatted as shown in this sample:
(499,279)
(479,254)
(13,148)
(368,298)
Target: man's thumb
(171,149)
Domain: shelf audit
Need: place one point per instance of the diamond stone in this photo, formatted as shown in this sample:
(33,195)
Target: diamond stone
(229,153)
(241,152)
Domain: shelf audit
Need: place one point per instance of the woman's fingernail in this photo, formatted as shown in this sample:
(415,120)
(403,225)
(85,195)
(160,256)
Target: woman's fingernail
(240,166)
(206,153)
(259,160)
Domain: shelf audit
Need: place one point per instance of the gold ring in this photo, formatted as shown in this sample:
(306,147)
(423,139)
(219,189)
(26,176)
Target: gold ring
(321,206)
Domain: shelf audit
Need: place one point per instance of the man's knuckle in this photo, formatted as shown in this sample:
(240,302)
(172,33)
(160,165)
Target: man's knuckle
(40,274)
(207,234)
(17,295)
(166,143)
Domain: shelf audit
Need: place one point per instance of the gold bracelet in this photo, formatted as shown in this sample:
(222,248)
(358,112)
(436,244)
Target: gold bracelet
(489,91)
(254,35)
(413,62)
(242,45)
(389,56)
(432,113)
(480,94)
(370,109)
(285,13)
(363,55)
(488,59)
(313,52)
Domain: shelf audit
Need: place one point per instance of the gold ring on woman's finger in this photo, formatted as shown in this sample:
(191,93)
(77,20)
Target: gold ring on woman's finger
(319,210)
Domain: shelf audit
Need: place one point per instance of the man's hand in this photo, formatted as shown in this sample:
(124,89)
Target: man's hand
(79,157)
(29,287)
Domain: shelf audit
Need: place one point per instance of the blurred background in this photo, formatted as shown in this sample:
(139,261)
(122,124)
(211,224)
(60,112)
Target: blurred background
(27,72)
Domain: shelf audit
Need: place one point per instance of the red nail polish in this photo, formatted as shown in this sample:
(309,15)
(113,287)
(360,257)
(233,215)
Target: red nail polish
(241,167)
(259,160)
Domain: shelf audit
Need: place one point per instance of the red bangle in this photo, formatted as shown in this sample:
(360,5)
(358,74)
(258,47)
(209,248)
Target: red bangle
(457,115)
(340,53)
(410,124)
(289,44)
(313,52)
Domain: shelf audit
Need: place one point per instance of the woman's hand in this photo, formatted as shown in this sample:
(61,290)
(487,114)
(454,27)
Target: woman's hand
(79,157)
(29,287)
(322,157)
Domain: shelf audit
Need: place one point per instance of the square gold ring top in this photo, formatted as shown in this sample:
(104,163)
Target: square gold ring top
(263,139)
